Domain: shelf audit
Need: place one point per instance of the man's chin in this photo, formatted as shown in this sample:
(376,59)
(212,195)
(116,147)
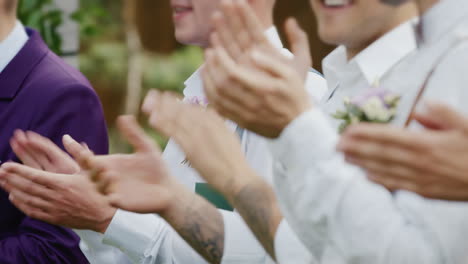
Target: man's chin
(187,39)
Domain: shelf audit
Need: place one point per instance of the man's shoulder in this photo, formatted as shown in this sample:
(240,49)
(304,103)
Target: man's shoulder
(53,76)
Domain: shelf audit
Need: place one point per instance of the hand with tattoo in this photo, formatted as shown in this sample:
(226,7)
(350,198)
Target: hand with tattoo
(215,152)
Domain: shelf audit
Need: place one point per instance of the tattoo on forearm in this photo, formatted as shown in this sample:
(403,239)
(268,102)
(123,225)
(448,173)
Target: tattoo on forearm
(203,228)
(257,205)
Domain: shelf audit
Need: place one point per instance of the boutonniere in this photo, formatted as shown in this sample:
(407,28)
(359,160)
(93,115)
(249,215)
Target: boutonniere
(376,105)
(196,100)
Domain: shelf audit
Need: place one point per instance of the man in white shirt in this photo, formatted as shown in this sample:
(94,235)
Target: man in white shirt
(375,62)
(147,238)
(337,213)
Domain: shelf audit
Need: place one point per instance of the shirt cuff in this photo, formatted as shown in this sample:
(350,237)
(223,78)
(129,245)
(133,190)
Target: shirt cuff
(288,248)
(312,131)
(133,233)
(240,244)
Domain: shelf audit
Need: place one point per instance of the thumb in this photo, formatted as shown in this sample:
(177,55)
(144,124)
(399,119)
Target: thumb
(440,116)
(79,152)
(299,46)
(135,135)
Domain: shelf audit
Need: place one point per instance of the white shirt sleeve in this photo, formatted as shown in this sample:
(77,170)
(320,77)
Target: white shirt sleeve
(149,239)
(240,244)
(288,248)
(139,236)
(98,253)
(330,204)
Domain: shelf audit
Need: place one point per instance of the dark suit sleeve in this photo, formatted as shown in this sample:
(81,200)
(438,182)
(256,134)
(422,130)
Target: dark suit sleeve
(75,110)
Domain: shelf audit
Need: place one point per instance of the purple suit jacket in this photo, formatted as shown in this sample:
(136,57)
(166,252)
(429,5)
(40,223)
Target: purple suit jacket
(39,92)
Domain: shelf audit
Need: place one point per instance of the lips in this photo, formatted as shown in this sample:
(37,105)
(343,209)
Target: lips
(180,11)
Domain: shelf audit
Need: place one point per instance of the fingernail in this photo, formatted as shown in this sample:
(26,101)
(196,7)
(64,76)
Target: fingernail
(67,139)
(149,102)
(11,197)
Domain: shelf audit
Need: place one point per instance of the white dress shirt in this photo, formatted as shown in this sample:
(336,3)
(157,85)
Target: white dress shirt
(149,239)
(13,43)
(344,79)
(342,217)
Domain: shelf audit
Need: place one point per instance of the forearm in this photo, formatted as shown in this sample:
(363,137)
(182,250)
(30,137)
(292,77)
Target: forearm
(255,201)
(198,222)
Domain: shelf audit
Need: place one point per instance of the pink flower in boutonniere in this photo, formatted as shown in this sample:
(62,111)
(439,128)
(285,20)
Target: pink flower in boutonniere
(196,100)
(376,105)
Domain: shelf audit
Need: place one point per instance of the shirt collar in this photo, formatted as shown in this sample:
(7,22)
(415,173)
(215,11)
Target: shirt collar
(10,47)
(376,60)
(443,17)
(194,84)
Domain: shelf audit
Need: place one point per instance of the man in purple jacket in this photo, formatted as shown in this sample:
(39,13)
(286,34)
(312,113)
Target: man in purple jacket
(39,92)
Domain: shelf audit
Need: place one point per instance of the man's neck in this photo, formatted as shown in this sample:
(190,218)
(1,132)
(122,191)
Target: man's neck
(7,25)
(425,5)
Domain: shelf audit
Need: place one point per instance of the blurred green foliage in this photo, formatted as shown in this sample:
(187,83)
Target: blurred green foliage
(105,64)
(43,16)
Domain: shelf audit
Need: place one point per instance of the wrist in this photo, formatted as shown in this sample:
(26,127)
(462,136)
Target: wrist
(102,225)
(245,177)
(178,199)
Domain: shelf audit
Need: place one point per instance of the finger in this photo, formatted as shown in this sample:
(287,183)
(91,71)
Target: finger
(208,82)
(252,24)
(272,65)
(31,211)
(85,146)
(135,135)
(105,184)
(239,33)
(81,154)
(168,108)
(18,145)
(299,46)
(223,36)
(40,177)
(46,151)
(389,183)
(14,182)
(386,134)
(115,200)
(441,116)
(19,197)
(383,153)
(149,102)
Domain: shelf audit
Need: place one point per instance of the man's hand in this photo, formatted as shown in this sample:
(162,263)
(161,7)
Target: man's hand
(61,199)
(216,153)
(249,81)
(39,152)
(212,149)
(68,200)
(138,182)
(430,162)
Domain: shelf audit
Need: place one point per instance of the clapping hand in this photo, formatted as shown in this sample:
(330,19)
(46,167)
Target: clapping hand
(248,80)
(430,162)
(50,186)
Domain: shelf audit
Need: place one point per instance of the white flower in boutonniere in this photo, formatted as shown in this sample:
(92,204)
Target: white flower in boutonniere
(377,105)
